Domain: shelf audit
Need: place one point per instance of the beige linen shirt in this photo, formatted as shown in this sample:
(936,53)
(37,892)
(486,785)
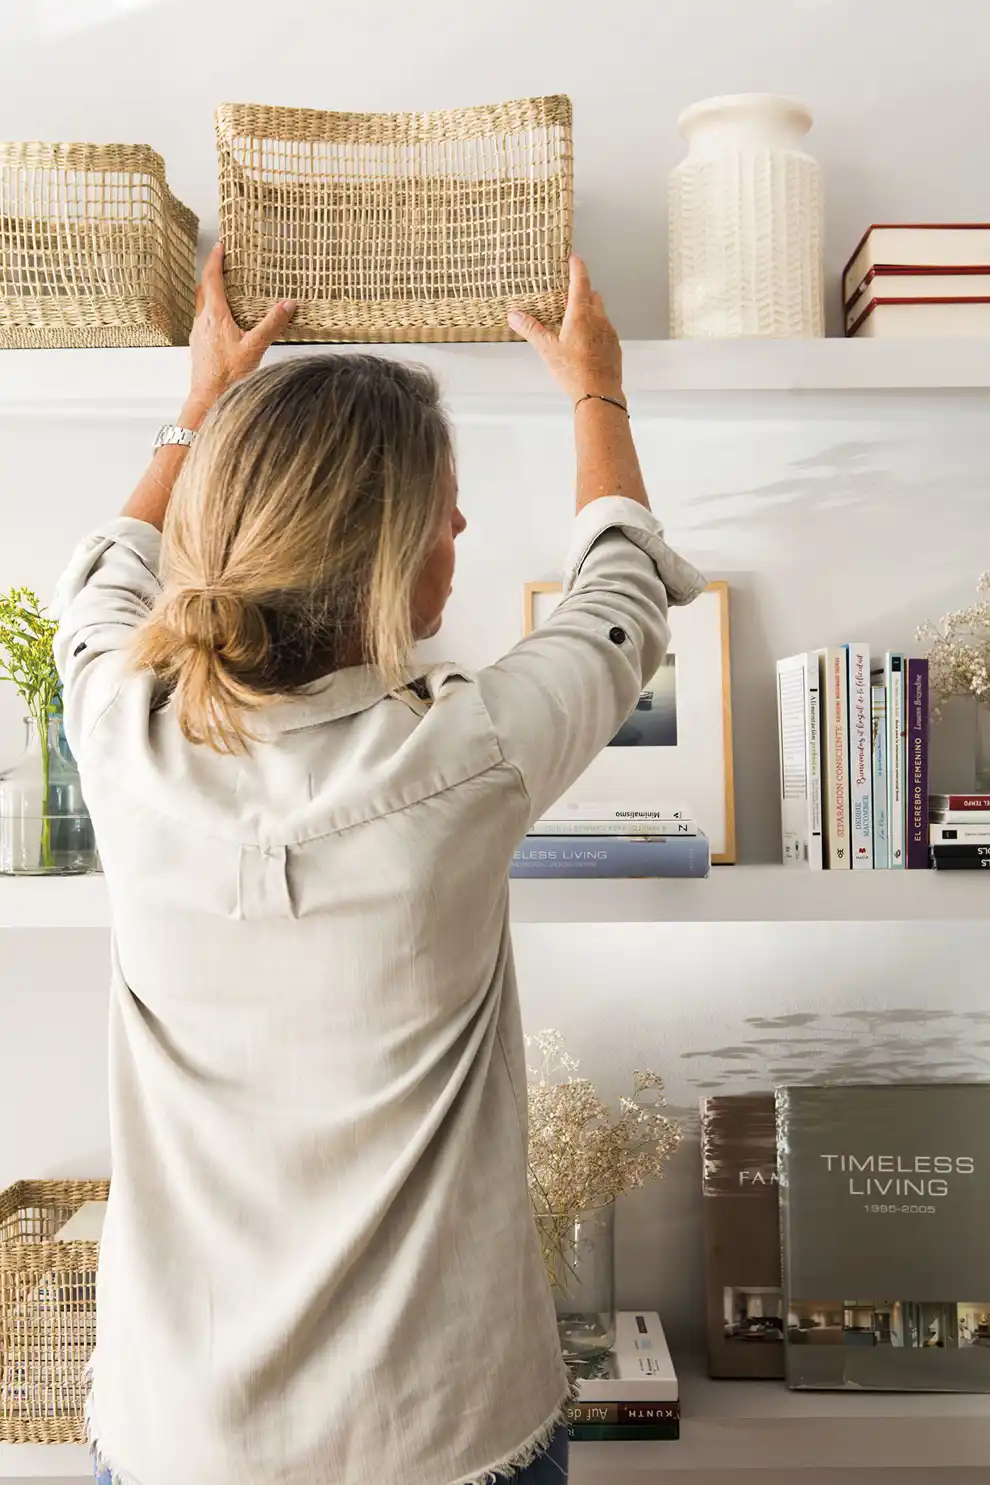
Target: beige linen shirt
(319,1265)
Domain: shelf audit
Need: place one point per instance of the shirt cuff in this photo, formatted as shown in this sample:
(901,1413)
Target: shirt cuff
(137,537)
(682,581)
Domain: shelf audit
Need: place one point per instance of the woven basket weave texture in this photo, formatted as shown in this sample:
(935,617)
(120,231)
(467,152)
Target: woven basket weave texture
(397,227)
(47,1312)
(94,248)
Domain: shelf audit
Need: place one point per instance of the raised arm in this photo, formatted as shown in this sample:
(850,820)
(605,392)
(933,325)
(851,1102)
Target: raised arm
(561,695)
(585,359)
(112,580)
(222,354)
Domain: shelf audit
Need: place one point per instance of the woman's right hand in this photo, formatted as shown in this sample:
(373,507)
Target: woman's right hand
(584,356)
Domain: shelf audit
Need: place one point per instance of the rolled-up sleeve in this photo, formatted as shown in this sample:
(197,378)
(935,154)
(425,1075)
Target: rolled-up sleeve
(561,695)
(105,593)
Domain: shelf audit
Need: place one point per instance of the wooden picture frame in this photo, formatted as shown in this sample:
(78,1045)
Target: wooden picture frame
(718,824)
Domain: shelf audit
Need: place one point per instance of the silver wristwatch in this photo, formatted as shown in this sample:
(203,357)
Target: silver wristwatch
(172,434)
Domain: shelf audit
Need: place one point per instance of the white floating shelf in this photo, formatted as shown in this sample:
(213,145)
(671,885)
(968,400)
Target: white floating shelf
(732,894)
(729,1427)
(491,381)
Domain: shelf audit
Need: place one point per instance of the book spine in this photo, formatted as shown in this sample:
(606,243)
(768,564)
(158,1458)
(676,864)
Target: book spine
(897,775)
(860,757)
(798,739)
(881,835)
(966,852)
(630,1413)
(638,827)
(917,765)
(965,863)
(836,755)
(963,804)
(816,828)
(618,1433)
(959,835)
(598,856)
(627,811)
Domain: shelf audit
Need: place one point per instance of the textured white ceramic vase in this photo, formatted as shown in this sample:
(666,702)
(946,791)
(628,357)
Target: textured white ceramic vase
(746,222)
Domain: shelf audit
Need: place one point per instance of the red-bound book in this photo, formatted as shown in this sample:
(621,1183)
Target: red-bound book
(978,804)
(917,766)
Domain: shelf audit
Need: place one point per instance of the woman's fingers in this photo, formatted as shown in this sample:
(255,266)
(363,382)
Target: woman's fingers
(529,327)
(211,284)
(268,330)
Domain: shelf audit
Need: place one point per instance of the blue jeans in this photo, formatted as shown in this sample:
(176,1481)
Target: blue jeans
(549,1468)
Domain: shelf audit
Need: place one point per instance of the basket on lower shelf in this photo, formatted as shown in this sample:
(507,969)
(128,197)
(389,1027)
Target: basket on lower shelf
(47,1312)
(94,248)
(397,227)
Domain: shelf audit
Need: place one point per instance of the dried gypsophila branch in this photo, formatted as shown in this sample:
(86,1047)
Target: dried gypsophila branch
(579,1157)
(958,650)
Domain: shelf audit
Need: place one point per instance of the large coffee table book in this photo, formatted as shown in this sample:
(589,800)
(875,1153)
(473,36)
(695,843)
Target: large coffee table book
(885,1209)
(742,1236)
(631,1393)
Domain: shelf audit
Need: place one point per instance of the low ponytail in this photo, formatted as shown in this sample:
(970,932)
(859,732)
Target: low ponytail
(296,533)
(203,643)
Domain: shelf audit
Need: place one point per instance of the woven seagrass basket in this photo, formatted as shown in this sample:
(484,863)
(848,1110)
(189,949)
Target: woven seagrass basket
(397,227)
(47,1312)
(94,248)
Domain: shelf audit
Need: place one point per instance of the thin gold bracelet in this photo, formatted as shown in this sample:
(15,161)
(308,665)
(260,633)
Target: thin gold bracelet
(599,397)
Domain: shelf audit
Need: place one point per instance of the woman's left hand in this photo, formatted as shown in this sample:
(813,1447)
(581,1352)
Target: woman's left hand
(223,353)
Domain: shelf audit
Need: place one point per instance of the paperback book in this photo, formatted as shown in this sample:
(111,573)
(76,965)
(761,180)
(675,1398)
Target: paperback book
(891,676)
(632,1393)
(917,764)
(799,742)
(835,751)
(885,1204)
(639,827)
(881,831)
(742,1236)
(860,756)
(612,856)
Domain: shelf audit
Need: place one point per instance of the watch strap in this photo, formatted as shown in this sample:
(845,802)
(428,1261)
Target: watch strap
(170,433)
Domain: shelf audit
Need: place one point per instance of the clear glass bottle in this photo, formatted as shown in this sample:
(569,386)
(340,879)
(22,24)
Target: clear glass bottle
(579,1252)
(45,828)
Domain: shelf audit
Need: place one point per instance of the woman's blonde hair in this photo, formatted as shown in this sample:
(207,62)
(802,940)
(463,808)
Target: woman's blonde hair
(295,536)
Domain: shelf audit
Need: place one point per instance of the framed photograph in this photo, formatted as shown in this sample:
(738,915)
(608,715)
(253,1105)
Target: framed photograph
(676,747)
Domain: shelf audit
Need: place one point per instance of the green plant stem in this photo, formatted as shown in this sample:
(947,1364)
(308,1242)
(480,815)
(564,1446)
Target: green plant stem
(47,859)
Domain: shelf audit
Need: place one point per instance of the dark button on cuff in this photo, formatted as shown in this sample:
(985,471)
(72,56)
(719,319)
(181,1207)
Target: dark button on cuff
(617,635)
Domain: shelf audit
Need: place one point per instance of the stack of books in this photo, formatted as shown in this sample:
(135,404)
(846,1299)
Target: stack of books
(853,760)
(613,840)
(918,280)
(631,1393)
(959,829)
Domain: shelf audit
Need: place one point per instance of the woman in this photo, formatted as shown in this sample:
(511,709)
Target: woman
(319,1263)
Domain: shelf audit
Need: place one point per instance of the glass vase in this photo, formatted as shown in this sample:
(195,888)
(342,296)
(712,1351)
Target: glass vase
(983,749)
(579,1253)
(45,828)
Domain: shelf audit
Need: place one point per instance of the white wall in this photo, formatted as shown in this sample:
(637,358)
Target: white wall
(833,518)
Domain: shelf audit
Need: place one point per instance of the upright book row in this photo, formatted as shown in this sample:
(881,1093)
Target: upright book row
(853,760)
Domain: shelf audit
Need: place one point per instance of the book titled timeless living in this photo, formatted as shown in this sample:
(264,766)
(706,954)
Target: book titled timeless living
(885,1211)
(610,856)
(742,1236)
